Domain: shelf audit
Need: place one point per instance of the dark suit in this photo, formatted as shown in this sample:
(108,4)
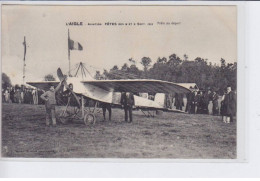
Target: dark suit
(230,100)
(205,103)
(106,106)
(179,101)
(215,108)
(197,108)
(127,100)
(190,99)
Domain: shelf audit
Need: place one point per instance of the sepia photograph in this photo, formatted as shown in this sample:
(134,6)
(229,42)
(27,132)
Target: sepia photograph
(119,81)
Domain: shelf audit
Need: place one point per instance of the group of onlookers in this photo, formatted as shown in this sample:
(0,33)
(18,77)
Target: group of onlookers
(22,95)
(198,102)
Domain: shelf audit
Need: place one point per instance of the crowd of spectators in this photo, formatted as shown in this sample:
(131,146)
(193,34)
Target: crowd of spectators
(198,101)
(22,95)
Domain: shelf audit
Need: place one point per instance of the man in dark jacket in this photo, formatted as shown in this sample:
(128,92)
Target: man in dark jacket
(231,104)
(200,101)
(194,102)
(179,101)
(12,94)
(206,99)
(106,106)
(190,99)
(215,108)
(40,101)
(127,101)
(68,97)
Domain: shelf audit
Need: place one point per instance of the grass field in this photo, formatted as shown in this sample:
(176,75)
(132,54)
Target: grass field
(170,135)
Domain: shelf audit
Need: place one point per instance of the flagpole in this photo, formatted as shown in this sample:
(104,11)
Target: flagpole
(69,50)
(24,43)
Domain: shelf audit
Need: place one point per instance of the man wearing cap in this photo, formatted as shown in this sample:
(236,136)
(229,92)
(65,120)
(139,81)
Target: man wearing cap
(50,102)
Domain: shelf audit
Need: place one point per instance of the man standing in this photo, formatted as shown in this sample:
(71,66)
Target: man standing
(169,101)
(206,99)
(18,95)
(231,104)
(67,96)
(40,101)
(179,101)
(194,102)
(30,96)
(200,101)
(7,95)
(106,106)
(189,100)
(215,108)
(127,101)
(50,102)
(12,94)
(35,96)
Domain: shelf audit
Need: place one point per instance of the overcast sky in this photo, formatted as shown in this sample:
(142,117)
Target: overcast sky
(201,31)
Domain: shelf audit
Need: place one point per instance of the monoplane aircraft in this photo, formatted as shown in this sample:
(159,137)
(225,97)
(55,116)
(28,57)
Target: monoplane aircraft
(109,91)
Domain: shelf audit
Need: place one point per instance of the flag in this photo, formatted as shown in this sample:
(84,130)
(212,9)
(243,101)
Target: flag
(73,45)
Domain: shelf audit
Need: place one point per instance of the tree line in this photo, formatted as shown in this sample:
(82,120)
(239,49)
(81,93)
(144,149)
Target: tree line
(173,69)
(178,70)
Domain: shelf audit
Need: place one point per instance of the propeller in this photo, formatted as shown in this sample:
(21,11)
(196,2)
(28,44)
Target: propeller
(63,78)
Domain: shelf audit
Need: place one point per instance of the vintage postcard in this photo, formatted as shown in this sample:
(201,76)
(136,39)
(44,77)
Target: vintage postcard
(125,81)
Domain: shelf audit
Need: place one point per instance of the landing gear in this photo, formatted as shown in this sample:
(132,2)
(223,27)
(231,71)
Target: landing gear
(148,113)
(87,115)
(77,112)
(89,119)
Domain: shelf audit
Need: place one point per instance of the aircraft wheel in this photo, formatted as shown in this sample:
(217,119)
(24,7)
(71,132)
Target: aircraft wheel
(89,119)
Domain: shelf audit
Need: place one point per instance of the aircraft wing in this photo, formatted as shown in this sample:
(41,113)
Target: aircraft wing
(138,85)
(188,85)
(44,85)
